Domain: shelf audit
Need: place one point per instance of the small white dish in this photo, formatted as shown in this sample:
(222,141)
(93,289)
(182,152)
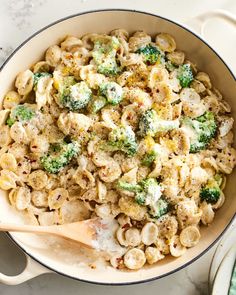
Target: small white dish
(224,246)
(222,280)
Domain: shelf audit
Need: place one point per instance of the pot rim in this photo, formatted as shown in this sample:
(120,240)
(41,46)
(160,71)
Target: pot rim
(182,27)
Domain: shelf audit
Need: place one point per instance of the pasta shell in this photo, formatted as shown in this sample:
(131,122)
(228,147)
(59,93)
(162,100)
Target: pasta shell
(73,211)
(166,42)
(189,236)
(24,82)
(7,179)
(134,259)
(8,161)
(22,198)
(149,233)
(153,255)
(110,172)
(11,99)
(57,197)
(53,55)
(176,248)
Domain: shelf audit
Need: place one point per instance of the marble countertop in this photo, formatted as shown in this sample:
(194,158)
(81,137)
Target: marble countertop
(18,20)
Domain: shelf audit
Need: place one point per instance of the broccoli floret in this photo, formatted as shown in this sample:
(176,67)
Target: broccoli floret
(104,55)
(112,91)
(202,130)
(76,97)
(185,75)
(149,183)
(149,158)
(147,123)
(59,156)
(151,155)
(10,122)
(122,139)
(161,208)
(40,75)
(140,198)
(96,104)
(21,113)
(210,192)
(109,67)
(170,66)
(151,54)
(148,192)
(129,186)
(66,82)
(150,124)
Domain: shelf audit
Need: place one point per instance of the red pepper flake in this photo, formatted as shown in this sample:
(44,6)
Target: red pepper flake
(126,226)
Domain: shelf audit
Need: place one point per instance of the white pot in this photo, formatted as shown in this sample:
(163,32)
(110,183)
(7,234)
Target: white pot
(68,259)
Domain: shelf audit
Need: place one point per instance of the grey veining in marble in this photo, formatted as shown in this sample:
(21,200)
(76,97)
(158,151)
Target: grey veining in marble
(21,10)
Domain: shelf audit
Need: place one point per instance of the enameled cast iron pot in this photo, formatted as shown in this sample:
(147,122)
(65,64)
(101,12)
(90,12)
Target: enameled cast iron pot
(43,253)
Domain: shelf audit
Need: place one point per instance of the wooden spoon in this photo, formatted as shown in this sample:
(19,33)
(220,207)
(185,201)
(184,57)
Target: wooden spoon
(91,232)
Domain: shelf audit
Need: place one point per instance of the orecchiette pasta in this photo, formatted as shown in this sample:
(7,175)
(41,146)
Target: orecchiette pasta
(134,258)
(11,99)
(189,236)
(118,126)
(149,233)
(7,179)
(176,248)
(5,137)
(133,237)
(166,42)
(153,255)
(8,161)
(53,55)
(39,198)
(57,197)
(22,198)
(24,82)
(38,179)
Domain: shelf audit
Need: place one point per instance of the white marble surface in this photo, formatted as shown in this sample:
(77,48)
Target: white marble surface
(18,20)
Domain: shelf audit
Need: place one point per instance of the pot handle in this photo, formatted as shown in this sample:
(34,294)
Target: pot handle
(198,23)
(32,269)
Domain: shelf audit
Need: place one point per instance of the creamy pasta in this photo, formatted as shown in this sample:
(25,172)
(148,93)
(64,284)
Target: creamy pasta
(121,127)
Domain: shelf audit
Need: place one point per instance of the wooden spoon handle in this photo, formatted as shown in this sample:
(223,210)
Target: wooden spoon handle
(27,228)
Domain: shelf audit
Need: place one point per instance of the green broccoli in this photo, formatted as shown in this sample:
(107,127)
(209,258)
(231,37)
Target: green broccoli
(21,113)
(38,76)
(112,91)
(170,66)
(122,139)
(150,124)
(158,206)
(148,192)
(10,122)
(151,156)
(140,198)
(185,75)
(210,192)
(161,208)
(104,55)
(76,97)
(202,130)
(59,156)
(129,186)
(96,104)
(109,67)
(151,54)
